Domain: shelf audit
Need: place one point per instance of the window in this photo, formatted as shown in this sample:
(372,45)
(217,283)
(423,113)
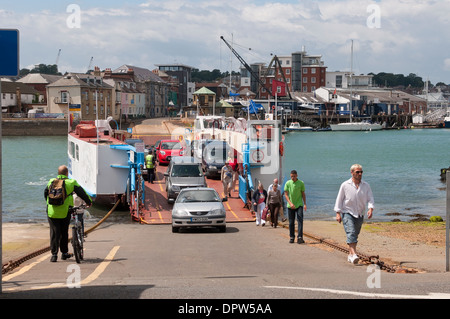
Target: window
(313,70)
(64,97)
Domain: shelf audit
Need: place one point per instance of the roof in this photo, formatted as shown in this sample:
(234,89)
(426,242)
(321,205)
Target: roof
(11,87)
(39,78)
(82,80)
(204,91)
(140,74)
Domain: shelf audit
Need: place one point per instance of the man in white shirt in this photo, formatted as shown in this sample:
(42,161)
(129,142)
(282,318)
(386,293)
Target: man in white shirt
(353,197)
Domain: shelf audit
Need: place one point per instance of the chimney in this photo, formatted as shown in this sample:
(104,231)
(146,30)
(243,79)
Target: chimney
(108,73)
(96,71)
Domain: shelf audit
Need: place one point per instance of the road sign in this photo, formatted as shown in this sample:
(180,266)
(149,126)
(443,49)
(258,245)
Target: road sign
(9,52)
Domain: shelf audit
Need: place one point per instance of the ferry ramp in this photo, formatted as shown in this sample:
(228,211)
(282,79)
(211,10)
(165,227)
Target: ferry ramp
(158,211)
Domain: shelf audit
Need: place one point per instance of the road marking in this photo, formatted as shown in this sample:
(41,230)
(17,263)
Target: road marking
(93,276)
(26,268)
(158,208)
(101,268)
(367,294)
(229,208)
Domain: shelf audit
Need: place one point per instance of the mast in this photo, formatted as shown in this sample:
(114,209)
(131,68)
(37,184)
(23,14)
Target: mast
(351,85)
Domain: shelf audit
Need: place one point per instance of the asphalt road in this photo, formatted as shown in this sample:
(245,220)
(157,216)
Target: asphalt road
(133,261)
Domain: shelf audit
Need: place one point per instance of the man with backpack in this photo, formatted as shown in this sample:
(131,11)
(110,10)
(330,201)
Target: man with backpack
(58,195)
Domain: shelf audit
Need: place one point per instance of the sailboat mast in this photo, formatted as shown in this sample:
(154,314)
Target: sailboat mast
(351,85)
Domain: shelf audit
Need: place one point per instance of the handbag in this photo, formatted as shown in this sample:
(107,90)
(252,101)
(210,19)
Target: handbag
(265,213)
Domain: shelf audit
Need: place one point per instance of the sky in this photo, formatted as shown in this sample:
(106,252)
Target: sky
(393,36)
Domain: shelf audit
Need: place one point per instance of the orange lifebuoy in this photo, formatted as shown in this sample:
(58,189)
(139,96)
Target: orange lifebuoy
(281,149)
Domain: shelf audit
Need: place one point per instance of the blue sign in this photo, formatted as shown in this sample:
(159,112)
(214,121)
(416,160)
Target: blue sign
(9,52)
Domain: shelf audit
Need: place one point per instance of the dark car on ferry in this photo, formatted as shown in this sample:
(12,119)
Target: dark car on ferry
(215,155)
(166,149)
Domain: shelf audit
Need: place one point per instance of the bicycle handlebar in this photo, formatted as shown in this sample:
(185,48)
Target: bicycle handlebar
(73,209)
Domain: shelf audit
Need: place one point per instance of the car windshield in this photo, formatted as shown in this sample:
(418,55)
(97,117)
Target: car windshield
(198,196)
(186,171)
(170,146)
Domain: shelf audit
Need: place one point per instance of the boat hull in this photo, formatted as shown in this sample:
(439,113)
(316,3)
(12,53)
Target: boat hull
(355,127)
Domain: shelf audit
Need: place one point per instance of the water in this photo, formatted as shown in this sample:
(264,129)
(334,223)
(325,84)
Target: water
(28,163)
(402,168)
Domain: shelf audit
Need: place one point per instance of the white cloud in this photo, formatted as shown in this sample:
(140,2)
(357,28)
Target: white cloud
(412,36)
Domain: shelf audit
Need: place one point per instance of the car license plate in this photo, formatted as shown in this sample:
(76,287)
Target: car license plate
(199,219)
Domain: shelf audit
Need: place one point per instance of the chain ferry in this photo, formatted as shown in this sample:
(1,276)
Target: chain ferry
(110,164)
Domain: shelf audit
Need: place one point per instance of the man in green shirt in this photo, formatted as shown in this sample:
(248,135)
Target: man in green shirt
(58,215)
(294,192)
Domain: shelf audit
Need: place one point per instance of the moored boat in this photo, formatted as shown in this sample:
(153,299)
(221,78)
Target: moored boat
(295,126)
(356,126)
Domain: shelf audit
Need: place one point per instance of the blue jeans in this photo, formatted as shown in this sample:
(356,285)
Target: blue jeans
(352,227)
(294,213)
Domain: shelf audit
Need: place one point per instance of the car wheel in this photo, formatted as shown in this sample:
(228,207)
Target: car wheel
(175,229)
(222,229)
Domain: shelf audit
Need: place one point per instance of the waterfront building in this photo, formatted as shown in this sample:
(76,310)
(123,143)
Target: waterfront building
(299,71)
(342,79)
(18,97)
(39,82)
(183,74)
(86,96)
(156,90)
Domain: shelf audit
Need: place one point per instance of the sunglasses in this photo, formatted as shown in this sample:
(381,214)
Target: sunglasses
(358,172)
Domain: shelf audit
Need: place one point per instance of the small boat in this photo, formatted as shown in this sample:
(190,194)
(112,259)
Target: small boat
(356,126)
(295,126)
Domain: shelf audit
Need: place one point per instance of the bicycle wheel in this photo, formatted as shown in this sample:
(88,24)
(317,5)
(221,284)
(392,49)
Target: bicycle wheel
(80,241)
(76,245)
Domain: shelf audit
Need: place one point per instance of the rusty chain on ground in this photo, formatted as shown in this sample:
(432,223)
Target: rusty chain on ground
(364,258)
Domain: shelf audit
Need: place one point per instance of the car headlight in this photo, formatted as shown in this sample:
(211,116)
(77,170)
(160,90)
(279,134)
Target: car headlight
(217,212)
(175,188)
(162,153)
(213,167)
(180,212)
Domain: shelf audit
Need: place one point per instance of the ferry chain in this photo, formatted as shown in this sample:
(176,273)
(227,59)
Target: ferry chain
(16,263)
(364,258)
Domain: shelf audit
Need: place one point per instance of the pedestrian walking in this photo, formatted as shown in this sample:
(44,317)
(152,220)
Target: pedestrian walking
(274,201)
(294,193)
(353,198)
(281,210)
(226,176)
(259,203)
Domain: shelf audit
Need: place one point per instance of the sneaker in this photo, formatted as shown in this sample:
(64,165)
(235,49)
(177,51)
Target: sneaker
(64,256)
(353,259)
(300,241)
(54,258)
(291,241)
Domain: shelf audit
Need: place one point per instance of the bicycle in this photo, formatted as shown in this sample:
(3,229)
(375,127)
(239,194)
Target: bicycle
(77,213)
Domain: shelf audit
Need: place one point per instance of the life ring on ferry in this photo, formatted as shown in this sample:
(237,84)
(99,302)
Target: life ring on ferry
(281,149)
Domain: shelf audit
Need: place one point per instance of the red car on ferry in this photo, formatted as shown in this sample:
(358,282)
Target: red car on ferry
(166,149)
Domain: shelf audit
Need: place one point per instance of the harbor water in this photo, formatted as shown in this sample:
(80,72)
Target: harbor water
(28,163)
(402,167)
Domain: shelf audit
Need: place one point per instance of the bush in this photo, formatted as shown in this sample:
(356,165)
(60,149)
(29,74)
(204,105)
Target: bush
(436,219)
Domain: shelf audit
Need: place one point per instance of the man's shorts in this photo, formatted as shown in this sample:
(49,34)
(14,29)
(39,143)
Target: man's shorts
(352,227)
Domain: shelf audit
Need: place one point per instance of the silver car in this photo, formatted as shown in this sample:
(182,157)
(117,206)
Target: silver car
(198,207)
